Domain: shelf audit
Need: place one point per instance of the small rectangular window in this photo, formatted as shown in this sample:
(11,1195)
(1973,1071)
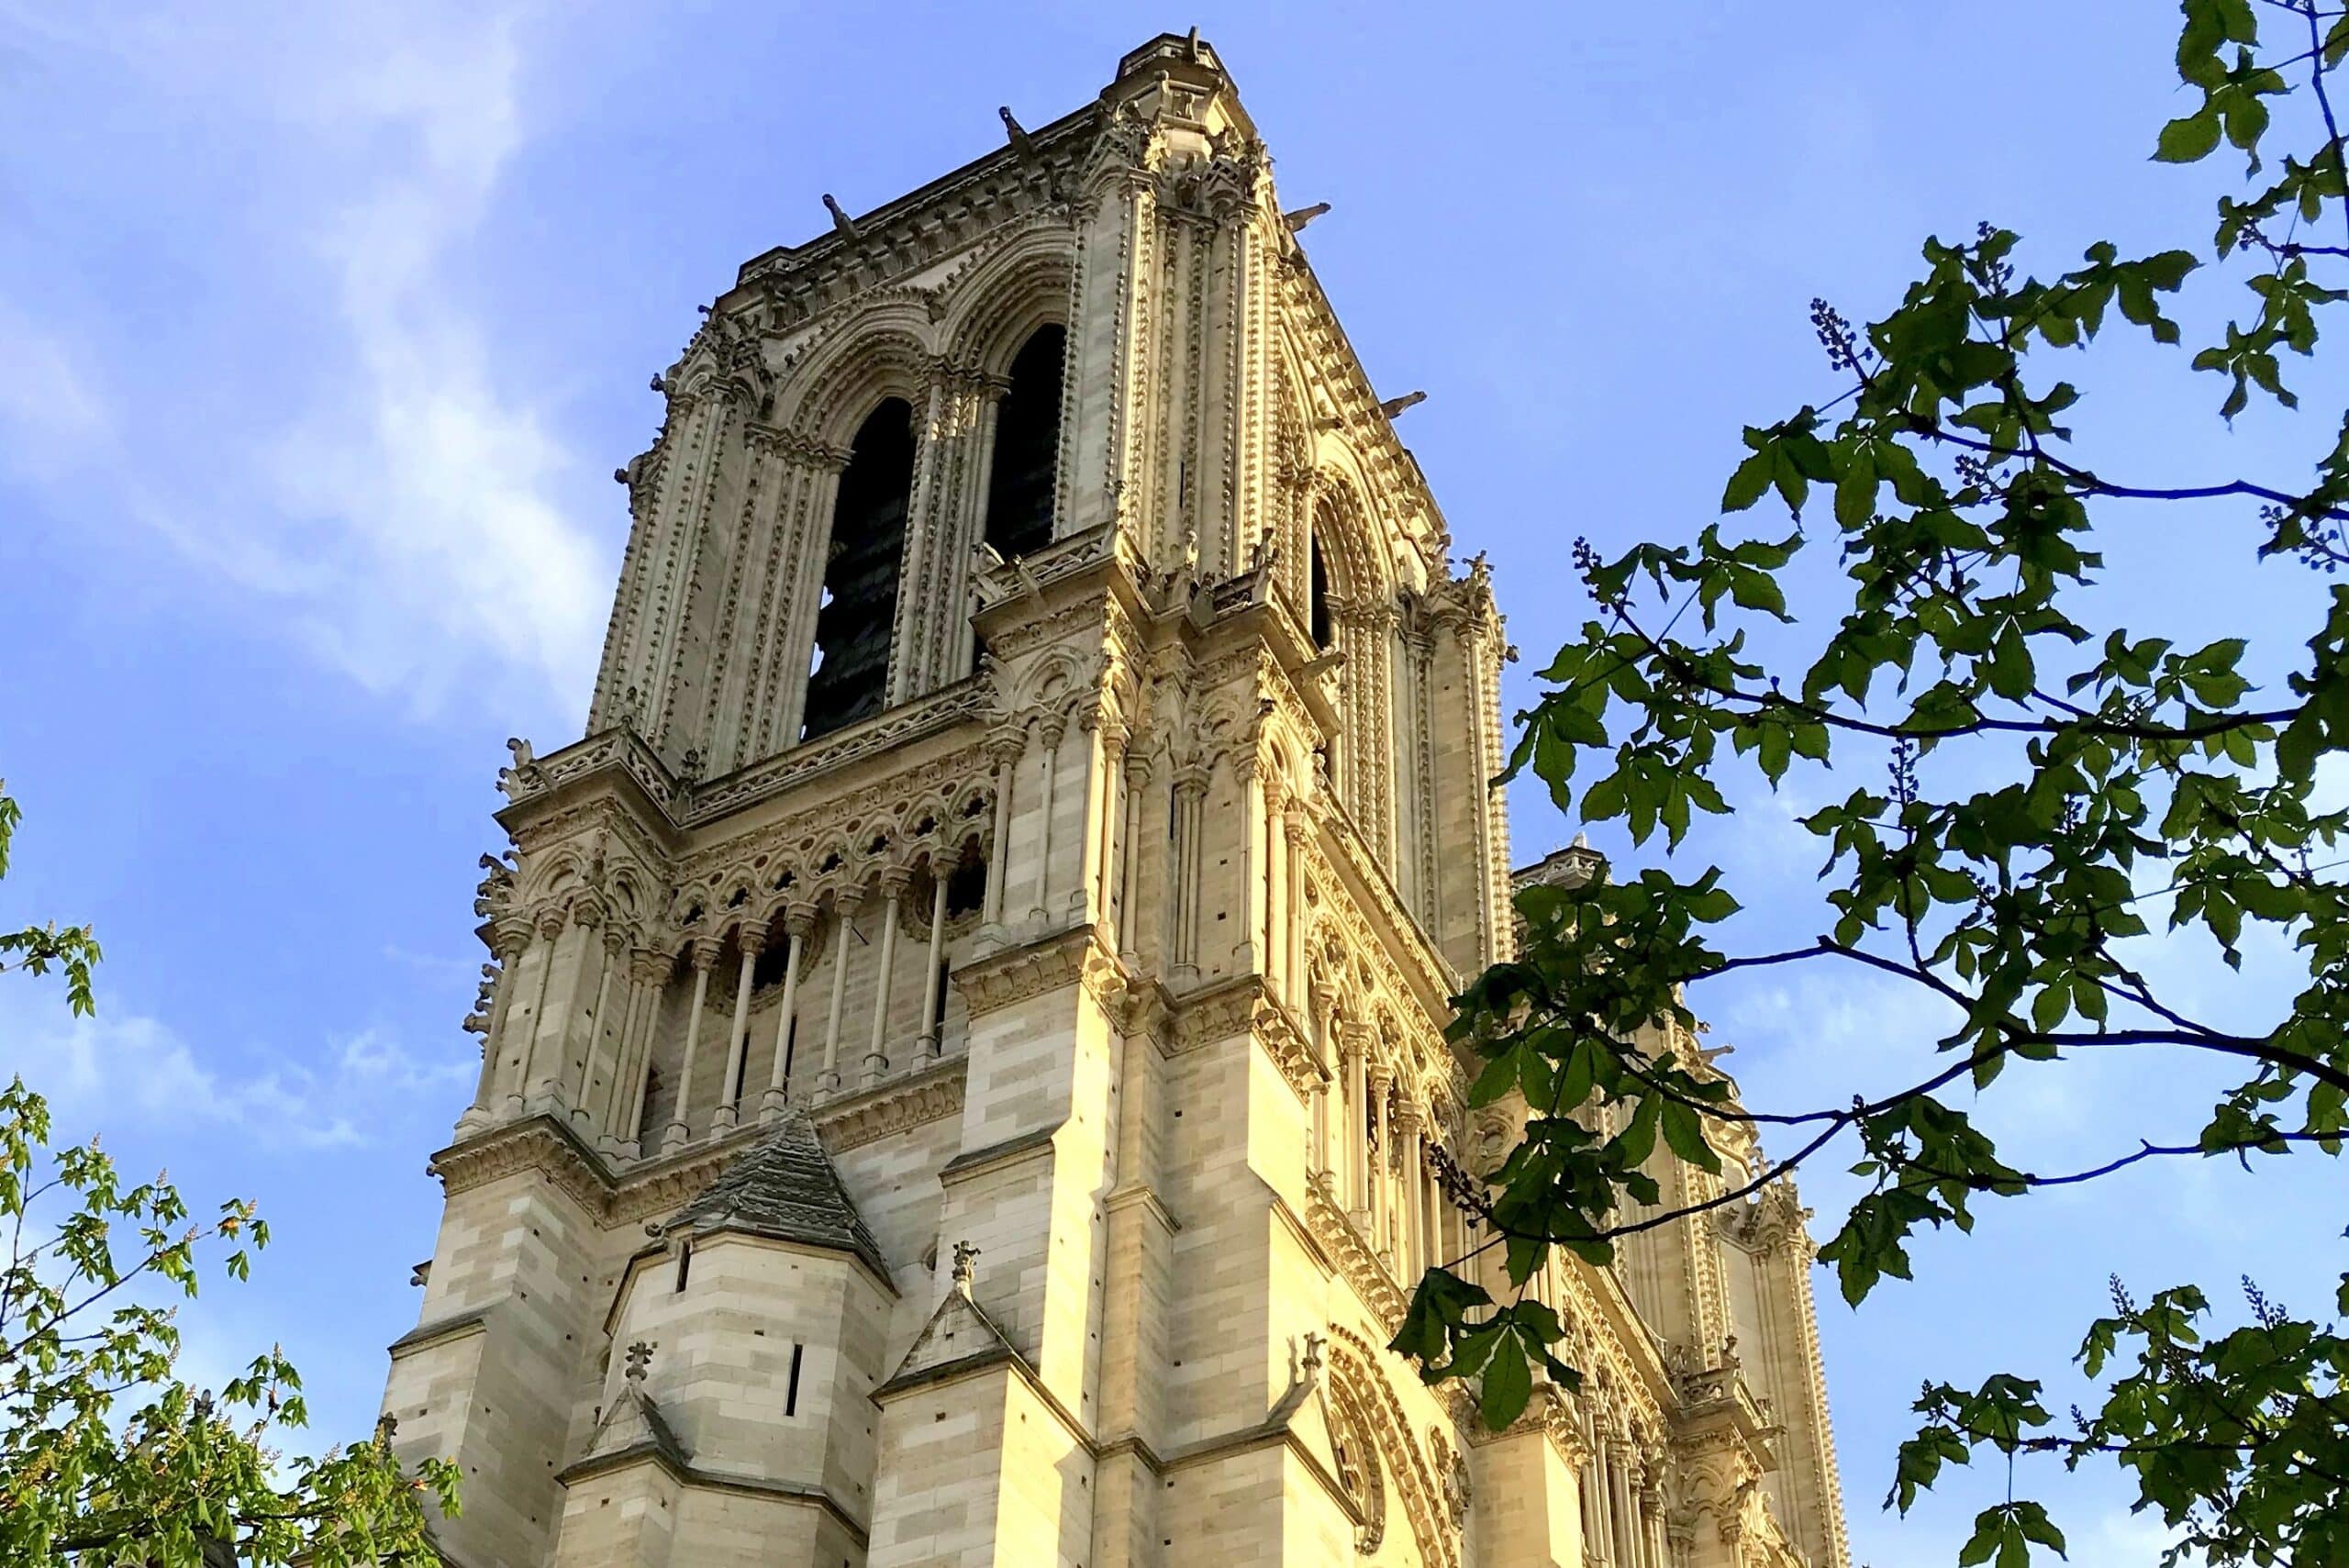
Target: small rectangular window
(685,1265)
(791,1393)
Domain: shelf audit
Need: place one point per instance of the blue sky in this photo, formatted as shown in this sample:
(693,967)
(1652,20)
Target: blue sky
(323,332)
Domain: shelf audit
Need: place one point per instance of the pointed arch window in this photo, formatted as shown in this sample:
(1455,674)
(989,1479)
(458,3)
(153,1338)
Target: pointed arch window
(1318,592)
(849,676)
(1026,447)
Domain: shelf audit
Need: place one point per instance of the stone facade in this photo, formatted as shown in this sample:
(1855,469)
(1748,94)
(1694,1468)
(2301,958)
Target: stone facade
(998,1128)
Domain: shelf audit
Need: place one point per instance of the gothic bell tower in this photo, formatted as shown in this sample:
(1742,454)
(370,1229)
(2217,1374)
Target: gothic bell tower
(963,1064)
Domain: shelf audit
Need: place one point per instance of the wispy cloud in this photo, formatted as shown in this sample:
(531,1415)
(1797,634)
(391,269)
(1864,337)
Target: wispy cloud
(133,1069)
(391,489)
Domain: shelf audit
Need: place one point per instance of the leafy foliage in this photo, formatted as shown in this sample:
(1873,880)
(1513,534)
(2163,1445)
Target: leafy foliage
(2125,772)
(106,1456)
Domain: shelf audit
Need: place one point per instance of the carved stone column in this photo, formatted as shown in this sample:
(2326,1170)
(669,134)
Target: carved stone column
(509,937)
(1247,766)
(1621,1510)
(1295,825)
(1130,875)
(934,965)
(798,920)
(583,1113)
(651,971)
(1049,732)
(1411,1243)
(705,957)
(828,1082)
(893,883)
(1003,748)
(1352,1147)
(1108,772)
(1274,879)
(1379,1201)
(1190,793)
(750,941)
(551,924)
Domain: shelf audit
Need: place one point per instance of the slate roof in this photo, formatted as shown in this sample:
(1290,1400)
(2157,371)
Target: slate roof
(784,1185)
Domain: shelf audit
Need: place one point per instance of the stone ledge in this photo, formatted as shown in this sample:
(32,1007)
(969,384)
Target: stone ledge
(461,1326)
(799,1493)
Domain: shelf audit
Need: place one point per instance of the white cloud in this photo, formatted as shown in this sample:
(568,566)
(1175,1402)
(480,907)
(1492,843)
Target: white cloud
(389,487)
(121,1070)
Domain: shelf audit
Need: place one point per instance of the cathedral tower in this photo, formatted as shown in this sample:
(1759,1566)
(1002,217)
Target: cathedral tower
(964,1050)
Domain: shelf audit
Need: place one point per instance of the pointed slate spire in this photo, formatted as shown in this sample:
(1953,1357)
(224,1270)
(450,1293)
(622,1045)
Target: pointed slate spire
(785,1186)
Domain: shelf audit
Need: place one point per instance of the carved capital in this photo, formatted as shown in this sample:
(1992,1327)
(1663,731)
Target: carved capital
(509,935)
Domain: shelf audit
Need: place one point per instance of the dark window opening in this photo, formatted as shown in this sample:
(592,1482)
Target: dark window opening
(938,1014)
(741,1071)
(1319,592)
(790,1044)
(791,1391)
(1026,447)
(685,1265)
(850,672)
(772,960)
(966,888)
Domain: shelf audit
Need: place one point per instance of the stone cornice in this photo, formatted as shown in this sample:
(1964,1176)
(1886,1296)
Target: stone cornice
(676,805)
(953,212)
(642,1191)
(1242,1005)
(790,769)
(440,1331)
(899,1105)
(1076,956)
(537,1144)
(618,753)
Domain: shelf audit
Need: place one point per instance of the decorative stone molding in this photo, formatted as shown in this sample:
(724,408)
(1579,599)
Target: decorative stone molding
(620,751)
(535,1144)
(659,1187)
(901,1105)
(1346,1246)
(1077,956)
(1354,1371)
(1242,1005)
(789,770)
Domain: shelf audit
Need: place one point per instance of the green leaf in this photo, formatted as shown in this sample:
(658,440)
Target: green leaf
(1509,1383)
(1748,484)
(2187,138)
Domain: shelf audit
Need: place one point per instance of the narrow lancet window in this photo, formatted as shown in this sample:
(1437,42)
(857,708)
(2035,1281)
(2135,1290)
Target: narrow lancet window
(850,674)
(1026,447)
(1318,592)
